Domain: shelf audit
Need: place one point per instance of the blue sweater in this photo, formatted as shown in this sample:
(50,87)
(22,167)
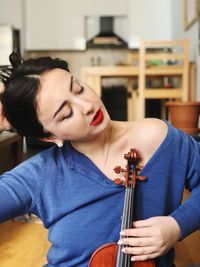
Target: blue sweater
(81,207)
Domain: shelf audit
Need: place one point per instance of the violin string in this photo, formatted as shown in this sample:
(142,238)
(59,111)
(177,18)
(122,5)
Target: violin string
(125,226)
(120,256)
(127,223)
(130,211)
(129,215)
(124,260)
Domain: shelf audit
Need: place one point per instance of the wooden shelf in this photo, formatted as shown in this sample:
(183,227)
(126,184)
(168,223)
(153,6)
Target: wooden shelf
(172,62)
(163,93)
(142,71)
(164,71)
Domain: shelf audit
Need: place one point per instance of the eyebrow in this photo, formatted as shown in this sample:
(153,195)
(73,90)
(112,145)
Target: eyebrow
(71,83)
(65,101)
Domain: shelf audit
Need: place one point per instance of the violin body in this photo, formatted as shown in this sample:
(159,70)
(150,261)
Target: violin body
(106,256)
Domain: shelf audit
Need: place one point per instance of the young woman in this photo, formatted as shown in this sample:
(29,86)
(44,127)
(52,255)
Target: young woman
(71,186)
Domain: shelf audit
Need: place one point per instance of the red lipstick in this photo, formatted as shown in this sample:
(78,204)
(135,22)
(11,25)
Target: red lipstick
(98,118)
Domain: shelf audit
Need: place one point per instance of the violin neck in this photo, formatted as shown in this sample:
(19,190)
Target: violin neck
(124,260)
(127,215)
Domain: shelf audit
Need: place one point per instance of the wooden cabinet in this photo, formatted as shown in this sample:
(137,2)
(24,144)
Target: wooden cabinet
(10,151)
(105,7)
(61,24)
(70,29)
(54,25)
(40,21)
(11,12)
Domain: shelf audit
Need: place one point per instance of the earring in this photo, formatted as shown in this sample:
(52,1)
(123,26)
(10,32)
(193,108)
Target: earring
(60,144)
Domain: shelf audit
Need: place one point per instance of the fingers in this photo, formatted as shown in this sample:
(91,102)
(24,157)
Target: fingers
(141,249)
(137,242)
(137,232)
(1,87)
(150,238)
(144,257)
(141,253)
(143,223)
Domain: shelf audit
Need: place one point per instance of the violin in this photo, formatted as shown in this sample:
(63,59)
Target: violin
(111,255)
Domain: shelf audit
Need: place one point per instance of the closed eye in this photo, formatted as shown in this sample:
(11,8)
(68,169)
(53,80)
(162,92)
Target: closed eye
(77,87)
(81,89)
(68,116)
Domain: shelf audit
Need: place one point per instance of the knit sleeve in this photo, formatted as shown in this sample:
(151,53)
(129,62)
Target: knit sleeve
(19,188)
(188,214)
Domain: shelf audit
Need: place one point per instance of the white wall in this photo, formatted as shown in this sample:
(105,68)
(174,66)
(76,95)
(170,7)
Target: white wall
(150,19)
(178,32)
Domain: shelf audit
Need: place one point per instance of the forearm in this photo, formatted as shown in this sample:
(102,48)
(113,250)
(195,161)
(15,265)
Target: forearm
(188,214)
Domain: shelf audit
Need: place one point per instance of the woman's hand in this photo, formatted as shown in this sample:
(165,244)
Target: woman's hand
(4,124)
(150,238)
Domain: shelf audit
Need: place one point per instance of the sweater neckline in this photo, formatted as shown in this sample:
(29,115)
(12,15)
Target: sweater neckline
(80,162)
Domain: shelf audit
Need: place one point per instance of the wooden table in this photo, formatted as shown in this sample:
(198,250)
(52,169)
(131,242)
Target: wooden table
(10,150)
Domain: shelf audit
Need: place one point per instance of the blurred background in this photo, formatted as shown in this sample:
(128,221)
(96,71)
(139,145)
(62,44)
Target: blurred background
(101,40)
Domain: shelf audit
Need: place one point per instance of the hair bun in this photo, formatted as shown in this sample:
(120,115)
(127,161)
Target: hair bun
(15,59)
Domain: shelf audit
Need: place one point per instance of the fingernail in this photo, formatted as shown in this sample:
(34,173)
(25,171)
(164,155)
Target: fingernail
(120,242)
(132,259)
(122,233)
(124,250)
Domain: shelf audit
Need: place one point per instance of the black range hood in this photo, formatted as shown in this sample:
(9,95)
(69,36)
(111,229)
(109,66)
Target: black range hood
(106,37)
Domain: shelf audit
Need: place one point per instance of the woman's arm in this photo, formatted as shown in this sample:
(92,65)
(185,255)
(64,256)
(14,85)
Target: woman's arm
(19,188)
(155,236)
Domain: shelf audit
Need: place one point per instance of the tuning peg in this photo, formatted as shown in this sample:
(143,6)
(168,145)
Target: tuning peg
(118,181)
(141,177)
(139,168)
(117,169)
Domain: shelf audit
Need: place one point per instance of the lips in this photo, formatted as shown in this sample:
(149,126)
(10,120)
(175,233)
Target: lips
(98,118)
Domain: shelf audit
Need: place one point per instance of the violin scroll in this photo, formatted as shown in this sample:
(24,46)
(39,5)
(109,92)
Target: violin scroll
(130,172)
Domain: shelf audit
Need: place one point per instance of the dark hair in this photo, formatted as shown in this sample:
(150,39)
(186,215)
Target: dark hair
(22,83)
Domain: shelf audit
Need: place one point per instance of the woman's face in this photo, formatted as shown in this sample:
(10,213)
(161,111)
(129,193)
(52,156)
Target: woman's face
(68,108)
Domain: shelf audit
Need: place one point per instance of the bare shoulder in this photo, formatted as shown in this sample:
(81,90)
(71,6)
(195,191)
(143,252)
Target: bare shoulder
(151,133)
(153,128)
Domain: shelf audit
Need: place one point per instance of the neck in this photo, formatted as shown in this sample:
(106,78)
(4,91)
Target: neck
(97,145)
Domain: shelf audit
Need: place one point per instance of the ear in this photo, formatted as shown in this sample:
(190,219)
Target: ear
(52,139)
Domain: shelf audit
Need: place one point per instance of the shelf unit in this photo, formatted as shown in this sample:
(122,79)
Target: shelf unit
(161,59)
(162,51)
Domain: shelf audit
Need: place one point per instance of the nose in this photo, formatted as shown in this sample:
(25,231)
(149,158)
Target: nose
(86,106)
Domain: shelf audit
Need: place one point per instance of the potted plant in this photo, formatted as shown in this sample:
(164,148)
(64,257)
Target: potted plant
(184,115)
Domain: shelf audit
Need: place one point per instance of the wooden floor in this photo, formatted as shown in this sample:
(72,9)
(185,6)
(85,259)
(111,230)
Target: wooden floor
(26,245)
(22,244)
